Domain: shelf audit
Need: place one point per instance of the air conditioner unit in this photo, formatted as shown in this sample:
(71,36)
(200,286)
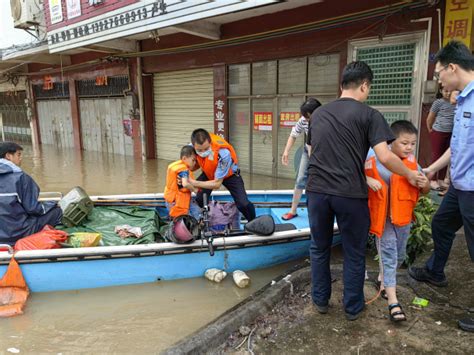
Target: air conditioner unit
(26,13)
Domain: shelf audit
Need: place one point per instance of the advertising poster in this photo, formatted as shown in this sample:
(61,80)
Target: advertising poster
(73,8)
(263,121)
(289,119)
(55,11)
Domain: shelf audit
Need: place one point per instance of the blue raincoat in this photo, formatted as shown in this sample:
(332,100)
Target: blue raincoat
(21,214)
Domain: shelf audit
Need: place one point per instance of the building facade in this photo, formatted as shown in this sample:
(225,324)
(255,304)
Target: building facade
(141,75)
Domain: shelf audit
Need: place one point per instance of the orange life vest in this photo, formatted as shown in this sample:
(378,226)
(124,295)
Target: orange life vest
(209,166)
(181,197)
(403,197)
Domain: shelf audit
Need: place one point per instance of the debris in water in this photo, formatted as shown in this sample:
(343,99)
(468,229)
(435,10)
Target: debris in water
(13,350)
(438,322)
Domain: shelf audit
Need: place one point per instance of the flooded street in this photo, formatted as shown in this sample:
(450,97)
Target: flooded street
(101,173)
(129,319)
(132,319)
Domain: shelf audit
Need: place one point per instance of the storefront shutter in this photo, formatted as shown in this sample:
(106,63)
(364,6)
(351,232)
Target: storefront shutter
(102,127)
(54,117)
(183,102)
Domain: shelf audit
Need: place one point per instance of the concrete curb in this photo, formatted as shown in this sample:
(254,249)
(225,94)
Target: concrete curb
(215,333)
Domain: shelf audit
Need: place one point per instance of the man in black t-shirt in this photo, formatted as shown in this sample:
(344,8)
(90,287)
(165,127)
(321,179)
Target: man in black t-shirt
(340,136)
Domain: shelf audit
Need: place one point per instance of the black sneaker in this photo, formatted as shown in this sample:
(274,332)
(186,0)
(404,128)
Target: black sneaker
(422,274)
(321,309)
(352,317)
(467,324)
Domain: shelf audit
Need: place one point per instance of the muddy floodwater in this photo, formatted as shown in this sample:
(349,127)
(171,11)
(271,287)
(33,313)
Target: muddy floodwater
(100,173)
(129,319)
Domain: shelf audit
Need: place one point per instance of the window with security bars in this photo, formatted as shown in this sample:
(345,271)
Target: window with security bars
(393,68)
(391,117)
(59,91)
(113,86)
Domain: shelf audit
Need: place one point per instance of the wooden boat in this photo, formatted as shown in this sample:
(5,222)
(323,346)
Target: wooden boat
(80,268)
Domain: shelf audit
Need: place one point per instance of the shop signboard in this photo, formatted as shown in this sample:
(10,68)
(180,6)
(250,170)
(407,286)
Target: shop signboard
(289,119)
(263,121)
(144,16)
(458,21)
(219,116)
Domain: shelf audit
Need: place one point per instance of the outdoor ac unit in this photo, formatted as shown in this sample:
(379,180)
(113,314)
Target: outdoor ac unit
(26,13)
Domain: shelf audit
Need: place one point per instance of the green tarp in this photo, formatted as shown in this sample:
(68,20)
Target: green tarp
(104,219)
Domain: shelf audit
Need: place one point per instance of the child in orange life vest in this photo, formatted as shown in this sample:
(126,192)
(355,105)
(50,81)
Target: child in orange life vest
(178,194)
(391,202)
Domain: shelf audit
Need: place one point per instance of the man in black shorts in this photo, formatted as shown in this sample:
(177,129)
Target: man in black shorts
(340,136)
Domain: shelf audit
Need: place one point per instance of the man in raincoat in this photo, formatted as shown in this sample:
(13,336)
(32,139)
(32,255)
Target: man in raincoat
(21,214)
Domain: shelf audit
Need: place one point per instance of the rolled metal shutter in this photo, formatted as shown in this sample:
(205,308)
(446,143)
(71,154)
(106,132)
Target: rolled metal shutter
(183,102)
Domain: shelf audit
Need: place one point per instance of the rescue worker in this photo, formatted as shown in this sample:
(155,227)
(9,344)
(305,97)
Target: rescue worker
(219,165)
(21,214)
(178,194)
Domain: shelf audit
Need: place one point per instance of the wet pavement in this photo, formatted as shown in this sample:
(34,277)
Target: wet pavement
(294,326)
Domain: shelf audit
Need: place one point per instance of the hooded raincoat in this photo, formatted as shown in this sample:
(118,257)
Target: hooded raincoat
(21,214)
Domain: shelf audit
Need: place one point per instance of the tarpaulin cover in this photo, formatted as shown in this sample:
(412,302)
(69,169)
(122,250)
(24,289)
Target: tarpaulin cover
(104,219)
(13,291)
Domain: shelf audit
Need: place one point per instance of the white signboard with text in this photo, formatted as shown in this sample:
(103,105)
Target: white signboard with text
(55,11)
(73,8)
(144,16)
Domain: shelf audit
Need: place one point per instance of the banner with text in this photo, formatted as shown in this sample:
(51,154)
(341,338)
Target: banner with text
(458,21)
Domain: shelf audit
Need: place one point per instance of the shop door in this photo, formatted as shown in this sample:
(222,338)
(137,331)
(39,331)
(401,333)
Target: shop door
(54,117)
(183,102)
(102,126)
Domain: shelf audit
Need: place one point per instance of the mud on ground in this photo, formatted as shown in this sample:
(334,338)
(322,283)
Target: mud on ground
(294,326)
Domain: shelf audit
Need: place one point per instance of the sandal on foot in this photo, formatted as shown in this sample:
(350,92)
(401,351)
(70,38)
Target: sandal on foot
(288,216)
(397,316)
(383,294)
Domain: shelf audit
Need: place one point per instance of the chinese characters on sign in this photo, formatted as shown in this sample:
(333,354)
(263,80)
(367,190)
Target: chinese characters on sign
(458,21)
(105,23)
(55,11)
(73,8)
(289,119)
(263,121)
(219,117)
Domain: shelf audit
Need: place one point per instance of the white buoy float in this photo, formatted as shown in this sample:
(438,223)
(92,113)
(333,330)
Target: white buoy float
(241,279)
(215,275)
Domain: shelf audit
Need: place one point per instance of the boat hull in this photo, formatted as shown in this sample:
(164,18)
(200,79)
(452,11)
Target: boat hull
(105,272)
(73,269)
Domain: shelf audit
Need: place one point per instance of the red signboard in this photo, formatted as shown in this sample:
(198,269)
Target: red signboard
(263,121)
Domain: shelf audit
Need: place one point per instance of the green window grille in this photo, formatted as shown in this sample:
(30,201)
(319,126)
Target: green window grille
(393,73)
(391,117)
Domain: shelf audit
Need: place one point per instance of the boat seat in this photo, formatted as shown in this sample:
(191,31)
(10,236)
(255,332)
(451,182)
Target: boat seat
(301,221)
